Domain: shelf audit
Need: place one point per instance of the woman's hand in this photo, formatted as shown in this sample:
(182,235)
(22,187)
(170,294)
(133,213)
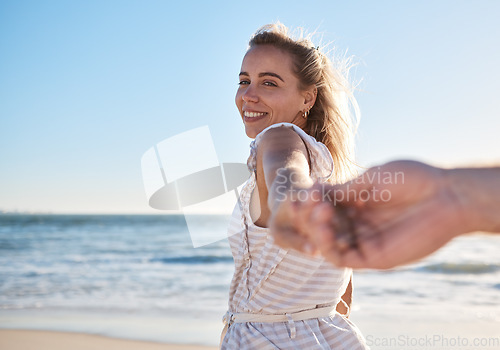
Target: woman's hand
(290,222)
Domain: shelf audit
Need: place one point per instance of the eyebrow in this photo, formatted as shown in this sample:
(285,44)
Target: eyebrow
(263,75)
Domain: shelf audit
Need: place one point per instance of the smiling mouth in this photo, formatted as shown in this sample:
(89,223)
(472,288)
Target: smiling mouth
(249,117)
(253,114)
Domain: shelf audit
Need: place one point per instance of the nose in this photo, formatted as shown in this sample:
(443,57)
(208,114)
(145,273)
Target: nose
(250,94)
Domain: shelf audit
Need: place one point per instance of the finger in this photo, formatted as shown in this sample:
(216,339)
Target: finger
(300,210)
(322,219)
(301,214)
(323,212)
(321,230)
(351,258)
(324,240)
(333,235)
(367,252)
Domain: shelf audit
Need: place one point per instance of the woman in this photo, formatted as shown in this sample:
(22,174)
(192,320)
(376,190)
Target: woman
(289,99)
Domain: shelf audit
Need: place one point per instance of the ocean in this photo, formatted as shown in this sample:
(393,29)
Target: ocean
(102,273)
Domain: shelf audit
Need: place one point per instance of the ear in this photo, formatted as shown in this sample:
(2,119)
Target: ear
(310,96)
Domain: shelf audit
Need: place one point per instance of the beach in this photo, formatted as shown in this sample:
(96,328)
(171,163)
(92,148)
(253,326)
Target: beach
(136,282)
(41,340)
(387,329)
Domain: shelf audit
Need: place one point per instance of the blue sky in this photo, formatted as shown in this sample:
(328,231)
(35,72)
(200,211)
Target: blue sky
(86,87)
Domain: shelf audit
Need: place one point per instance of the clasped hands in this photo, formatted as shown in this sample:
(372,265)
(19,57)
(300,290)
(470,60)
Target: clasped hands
(390,215)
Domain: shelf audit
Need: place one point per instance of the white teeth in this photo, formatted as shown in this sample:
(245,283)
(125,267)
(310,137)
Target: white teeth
(252,114)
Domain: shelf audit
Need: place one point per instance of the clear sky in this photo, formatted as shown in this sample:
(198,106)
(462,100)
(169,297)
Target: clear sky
(86,87)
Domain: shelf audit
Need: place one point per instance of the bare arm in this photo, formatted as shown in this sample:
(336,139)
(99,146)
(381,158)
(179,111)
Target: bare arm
(478,192)
(282,165)
(399,220)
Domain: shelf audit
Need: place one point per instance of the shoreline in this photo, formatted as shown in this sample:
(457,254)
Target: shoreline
(23,339)
(388,328)
(150,328)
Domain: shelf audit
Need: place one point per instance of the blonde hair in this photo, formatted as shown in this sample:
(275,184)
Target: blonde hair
(333,119)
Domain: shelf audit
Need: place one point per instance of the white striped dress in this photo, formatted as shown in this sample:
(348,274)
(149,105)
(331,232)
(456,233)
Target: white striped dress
(271,280)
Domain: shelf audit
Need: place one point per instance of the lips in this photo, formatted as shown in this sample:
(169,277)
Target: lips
(253,116)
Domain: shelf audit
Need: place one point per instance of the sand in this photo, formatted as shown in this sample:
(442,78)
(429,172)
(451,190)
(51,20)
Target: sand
(386,327)
(48,340)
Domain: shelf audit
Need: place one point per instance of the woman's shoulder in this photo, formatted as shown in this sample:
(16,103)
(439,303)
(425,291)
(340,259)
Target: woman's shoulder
(276,141)
(280,136)
(280,129)
(287,135)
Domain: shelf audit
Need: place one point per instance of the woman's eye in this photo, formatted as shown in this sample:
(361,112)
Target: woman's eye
(270,83)
(243,82)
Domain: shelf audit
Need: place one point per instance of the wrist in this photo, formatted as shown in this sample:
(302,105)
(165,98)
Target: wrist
(476,192)
(461,199)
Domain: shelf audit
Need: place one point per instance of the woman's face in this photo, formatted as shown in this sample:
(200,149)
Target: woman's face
(269,91)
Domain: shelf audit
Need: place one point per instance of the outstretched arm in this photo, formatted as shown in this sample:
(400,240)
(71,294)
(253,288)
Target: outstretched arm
(478,190)
(394,214)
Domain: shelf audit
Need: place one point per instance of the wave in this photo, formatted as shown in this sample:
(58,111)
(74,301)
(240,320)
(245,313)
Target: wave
(460,268)
(77,220)
(199,259)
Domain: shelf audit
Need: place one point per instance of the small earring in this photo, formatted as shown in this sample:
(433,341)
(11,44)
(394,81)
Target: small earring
(306,113)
